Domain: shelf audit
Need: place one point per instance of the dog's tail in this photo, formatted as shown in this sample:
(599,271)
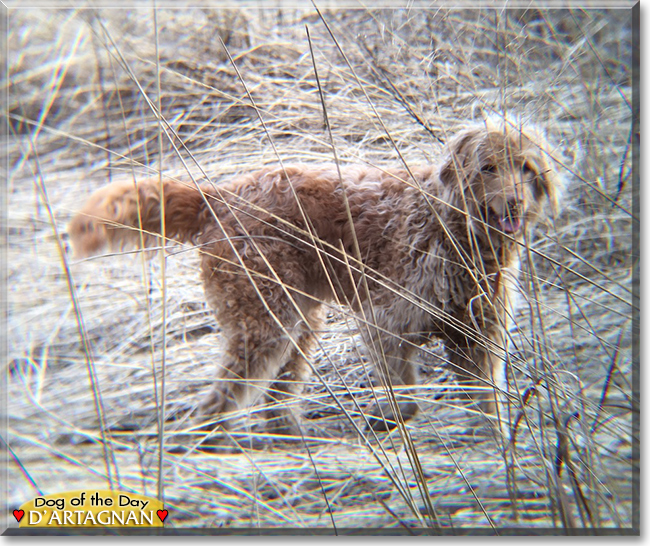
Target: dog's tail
(123,214)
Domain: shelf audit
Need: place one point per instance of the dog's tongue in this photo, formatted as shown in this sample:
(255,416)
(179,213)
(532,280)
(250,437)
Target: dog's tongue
(510,226)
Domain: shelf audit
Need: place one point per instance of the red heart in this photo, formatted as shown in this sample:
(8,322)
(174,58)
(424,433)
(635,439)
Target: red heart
(162,514)
(18,514)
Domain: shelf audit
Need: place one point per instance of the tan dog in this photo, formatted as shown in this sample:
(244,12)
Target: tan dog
(418,253)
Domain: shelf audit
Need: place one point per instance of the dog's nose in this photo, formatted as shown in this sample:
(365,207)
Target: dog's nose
(513,207)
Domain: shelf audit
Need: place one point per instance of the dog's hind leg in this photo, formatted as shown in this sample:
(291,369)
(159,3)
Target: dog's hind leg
(249,362)
(283,396)
(257,345)
(262,328)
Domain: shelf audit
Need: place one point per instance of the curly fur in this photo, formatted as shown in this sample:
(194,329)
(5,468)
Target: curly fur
(431,251)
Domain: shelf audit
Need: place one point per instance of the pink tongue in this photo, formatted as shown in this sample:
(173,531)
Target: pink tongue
(510,226)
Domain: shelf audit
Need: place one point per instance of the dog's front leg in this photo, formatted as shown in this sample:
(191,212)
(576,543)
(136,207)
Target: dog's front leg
(394,367)
(477,359)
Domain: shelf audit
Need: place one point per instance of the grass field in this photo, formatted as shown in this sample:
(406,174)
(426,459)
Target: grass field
(101,351)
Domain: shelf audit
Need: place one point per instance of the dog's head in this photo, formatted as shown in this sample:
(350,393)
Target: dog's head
(503,175)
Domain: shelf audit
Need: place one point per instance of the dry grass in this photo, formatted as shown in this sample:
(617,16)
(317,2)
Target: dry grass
(84,338)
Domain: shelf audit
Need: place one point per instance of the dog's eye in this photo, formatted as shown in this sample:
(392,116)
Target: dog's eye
(526,169)
(489,168)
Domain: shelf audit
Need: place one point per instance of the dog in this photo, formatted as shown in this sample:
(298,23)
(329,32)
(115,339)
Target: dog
(415,253)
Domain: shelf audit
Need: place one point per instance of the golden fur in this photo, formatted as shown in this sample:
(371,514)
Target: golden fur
(431,251)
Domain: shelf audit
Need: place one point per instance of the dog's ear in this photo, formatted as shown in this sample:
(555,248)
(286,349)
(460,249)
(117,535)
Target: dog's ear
(546,184)
(462,159)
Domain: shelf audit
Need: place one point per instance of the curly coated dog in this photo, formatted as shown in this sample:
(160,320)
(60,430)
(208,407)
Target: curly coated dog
(414,252)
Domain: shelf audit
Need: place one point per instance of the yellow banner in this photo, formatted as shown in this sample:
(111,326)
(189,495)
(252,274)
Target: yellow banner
(92,508)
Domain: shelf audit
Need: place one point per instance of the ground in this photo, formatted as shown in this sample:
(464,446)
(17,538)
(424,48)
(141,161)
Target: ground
(84,337)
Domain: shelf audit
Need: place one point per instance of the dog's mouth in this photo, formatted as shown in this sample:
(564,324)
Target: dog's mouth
(509,223)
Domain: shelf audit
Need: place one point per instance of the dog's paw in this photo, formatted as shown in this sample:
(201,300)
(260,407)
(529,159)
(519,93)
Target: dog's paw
(385,420)
(213,403)
(284,422)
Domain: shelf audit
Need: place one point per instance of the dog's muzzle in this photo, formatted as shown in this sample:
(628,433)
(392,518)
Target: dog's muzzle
(509,219)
